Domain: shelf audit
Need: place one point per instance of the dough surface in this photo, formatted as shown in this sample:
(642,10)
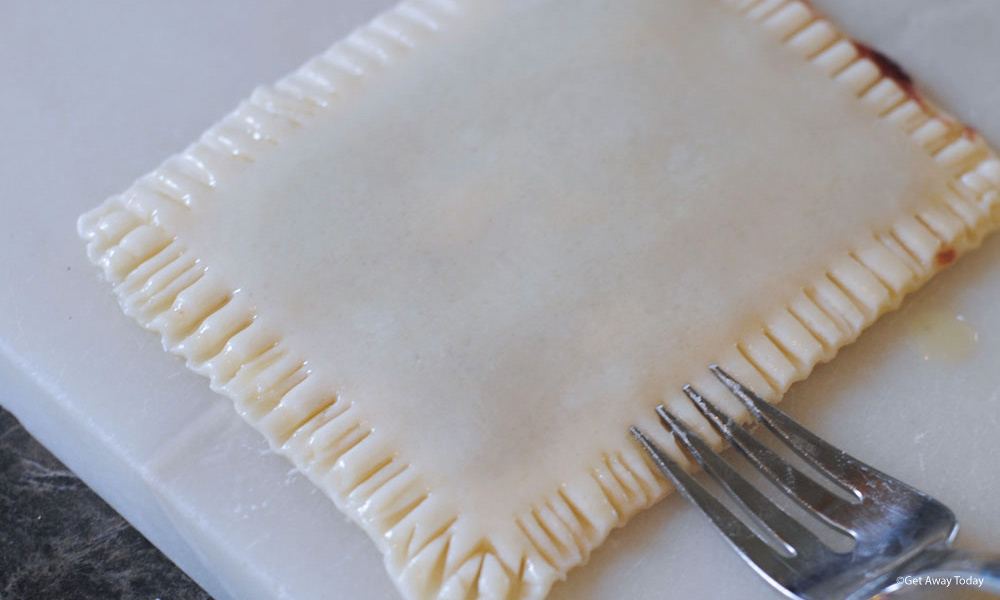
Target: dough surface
(446,264)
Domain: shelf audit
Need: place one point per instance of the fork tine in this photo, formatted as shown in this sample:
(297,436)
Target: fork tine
(846,471)
(795,536)
(796,484)
(755,551)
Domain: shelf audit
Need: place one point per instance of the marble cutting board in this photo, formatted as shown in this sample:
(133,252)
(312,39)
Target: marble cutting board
(98,94)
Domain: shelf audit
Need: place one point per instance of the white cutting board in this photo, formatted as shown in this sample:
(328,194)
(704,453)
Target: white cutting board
(96,94)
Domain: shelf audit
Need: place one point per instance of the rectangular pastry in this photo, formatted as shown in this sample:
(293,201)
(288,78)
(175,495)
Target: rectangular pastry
(444,265)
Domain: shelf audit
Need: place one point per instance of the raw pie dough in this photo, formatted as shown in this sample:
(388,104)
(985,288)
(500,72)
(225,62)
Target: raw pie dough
(444,265)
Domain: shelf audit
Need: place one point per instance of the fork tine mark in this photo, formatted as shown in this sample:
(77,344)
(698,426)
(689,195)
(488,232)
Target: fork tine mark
(793,482)
(796,538)
(755,551)
(854,476)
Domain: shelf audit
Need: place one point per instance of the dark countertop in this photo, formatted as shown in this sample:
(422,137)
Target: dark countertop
(60,541)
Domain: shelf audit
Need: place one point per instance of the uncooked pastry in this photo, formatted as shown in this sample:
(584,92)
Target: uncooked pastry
(444,265)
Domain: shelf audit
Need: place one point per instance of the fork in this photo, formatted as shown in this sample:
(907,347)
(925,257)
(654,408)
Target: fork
(900,535)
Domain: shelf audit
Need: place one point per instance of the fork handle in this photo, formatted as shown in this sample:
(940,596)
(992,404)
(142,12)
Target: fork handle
(950,564)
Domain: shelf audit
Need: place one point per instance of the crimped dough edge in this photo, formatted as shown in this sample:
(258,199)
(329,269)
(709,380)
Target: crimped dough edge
(165,288)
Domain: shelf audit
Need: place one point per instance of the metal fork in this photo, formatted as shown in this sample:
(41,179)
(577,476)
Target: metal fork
(899,533)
